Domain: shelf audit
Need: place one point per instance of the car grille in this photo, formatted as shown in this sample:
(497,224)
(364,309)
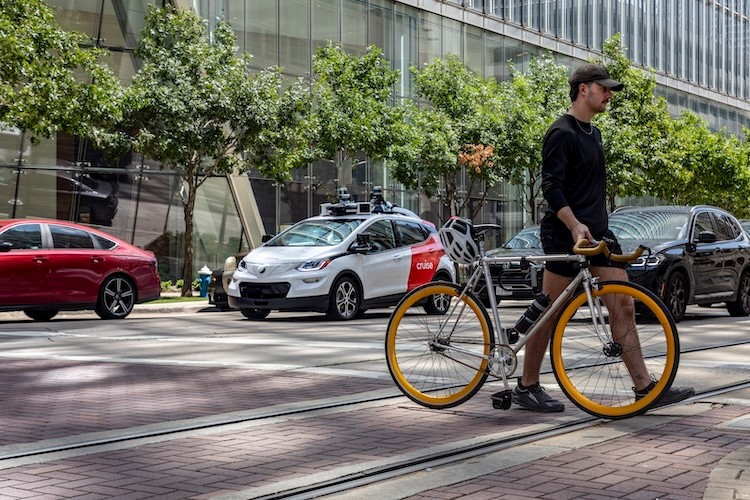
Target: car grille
(264,291)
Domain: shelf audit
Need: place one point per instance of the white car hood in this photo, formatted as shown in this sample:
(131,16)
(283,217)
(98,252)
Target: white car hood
(266,261)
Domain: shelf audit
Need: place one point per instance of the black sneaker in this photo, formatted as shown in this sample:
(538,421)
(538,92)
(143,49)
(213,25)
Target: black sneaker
(673,395)
(535,398)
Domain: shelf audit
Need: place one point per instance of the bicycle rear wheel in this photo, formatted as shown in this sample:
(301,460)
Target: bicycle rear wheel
(593,369)
(439,360)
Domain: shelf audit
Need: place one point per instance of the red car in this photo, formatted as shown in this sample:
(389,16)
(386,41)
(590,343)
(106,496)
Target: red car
(49,266)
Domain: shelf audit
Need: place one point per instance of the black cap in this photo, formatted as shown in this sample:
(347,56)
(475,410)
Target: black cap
(594,73)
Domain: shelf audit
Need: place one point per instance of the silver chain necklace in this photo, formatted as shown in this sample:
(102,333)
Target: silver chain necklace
(591,127)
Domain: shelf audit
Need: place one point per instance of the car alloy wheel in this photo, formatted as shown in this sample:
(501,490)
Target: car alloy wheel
(116,298)
(345,300)
(741,306)
(675,295)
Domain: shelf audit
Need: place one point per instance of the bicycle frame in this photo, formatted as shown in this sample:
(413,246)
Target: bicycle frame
(584,277)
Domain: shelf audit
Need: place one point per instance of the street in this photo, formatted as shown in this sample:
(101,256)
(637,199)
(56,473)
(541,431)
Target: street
(211,405)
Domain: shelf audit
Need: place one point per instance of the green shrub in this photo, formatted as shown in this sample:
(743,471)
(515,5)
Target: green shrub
(166,285)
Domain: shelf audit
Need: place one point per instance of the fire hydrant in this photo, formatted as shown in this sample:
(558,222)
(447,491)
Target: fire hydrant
(204,276)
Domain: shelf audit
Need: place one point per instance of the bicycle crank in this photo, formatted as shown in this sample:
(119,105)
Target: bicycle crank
(503,361)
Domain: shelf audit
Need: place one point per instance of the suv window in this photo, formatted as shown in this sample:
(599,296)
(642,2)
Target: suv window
(410,233)
(70,237)
(726,227)
(381,235)
(24,237)
(702,223)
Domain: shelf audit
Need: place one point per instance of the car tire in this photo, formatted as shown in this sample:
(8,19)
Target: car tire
(345,300)
(255,314)
(676,295)
(437,304)
(741,306)
(116,298)
(40,315)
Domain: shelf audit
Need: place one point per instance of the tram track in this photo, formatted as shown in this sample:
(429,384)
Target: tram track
(306,409)
(402,468)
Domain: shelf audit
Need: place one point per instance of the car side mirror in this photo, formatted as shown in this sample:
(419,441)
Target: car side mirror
(362,245)
(6,246)
(706,237)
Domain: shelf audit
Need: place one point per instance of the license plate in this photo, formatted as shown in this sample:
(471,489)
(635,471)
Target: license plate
(502,292)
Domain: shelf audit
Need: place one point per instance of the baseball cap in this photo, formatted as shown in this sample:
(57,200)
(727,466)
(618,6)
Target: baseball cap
(594,73)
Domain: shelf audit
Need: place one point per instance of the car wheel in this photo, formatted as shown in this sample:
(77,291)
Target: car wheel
(675,295)
(44,315)
(345,300)
(741,306)
(116,298)
(255,314)
(437,304)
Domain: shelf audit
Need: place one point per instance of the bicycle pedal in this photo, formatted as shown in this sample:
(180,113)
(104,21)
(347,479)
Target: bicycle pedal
(501,400)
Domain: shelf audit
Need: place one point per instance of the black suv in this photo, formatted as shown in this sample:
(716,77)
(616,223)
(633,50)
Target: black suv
(699,255)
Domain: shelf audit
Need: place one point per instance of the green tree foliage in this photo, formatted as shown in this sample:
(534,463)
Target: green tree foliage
(193,106)
(352,96)
(445,143)
(680,161)
(634,129)
(712,167)
(49,80)
(535,98)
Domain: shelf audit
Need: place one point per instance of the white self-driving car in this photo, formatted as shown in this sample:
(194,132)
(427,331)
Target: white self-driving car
(355,257)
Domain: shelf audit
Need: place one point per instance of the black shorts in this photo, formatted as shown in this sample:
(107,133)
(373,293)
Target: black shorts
(561,242)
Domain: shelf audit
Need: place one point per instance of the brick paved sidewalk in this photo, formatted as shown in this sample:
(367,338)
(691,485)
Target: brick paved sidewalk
(693,457)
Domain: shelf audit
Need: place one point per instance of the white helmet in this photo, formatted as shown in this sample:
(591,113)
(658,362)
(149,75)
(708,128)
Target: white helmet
(457,238)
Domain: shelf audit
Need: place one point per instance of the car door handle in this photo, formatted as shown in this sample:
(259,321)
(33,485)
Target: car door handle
(40,260)
(97,260)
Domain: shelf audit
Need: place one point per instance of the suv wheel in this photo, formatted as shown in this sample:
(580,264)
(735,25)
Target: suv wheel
(675,295)
(345,300)
(255,314)
(741,306)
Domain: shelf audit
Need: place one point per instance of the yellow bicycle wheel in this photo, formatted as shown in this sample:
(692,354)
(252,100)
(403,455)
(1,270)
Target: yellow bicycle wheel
(438,356)
(593,355)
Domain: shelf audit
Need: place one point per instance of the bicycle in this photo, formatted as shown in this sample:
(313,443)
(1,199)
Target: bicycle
(441,358)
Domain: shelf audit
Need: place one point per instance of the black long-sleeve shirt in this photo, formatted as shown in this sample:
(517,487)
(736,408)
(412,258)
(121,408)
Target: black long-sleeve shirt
(573,174)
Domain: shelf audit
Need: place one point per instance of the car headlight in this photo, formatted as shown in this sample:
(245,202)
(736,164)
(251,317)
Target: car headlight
(242,266)
(647,261)
(314,265)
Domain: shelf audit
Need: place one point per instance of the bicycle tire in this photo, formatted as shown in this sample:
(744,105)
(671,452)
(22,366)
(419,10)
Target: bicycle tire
(592,373)
(418,346)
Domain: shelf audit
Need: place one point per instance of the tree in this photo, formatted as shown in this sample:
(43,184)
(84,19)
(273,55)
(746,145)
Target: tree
(194,106)
(634,129)
(535,98)
(352,106)
(712,167)
(49,80)
(450,135)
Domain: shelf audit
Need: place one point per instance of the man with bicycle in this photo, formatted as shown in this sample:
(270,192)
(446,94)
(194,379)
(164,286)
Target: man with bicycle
(574,185)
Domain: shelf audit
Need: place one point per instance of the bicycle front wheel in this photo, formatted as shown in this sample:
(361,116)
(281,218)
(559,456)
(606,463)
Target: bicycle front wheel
(598,350)
(439,360)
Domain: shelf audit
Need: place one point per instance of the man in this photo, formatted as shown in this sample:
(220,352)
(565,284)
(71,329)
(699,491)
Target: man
(574,182)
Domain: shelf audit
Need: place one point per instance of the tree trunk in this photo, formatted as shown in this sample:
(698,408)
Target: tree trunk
(187,269)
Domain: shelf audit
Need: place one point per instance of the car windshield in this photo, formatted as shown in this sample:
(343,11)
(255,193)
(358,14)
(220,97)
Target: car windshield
(527,238)
(649,225)
(315,233)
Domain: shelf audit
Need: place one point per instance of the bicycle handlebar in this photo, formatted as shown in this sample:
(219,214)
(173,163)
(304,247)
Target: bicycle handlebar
(582,247)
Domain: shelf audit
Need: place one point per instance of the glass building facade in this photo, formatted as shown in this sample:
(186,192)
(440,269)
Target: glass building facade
(698,49)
